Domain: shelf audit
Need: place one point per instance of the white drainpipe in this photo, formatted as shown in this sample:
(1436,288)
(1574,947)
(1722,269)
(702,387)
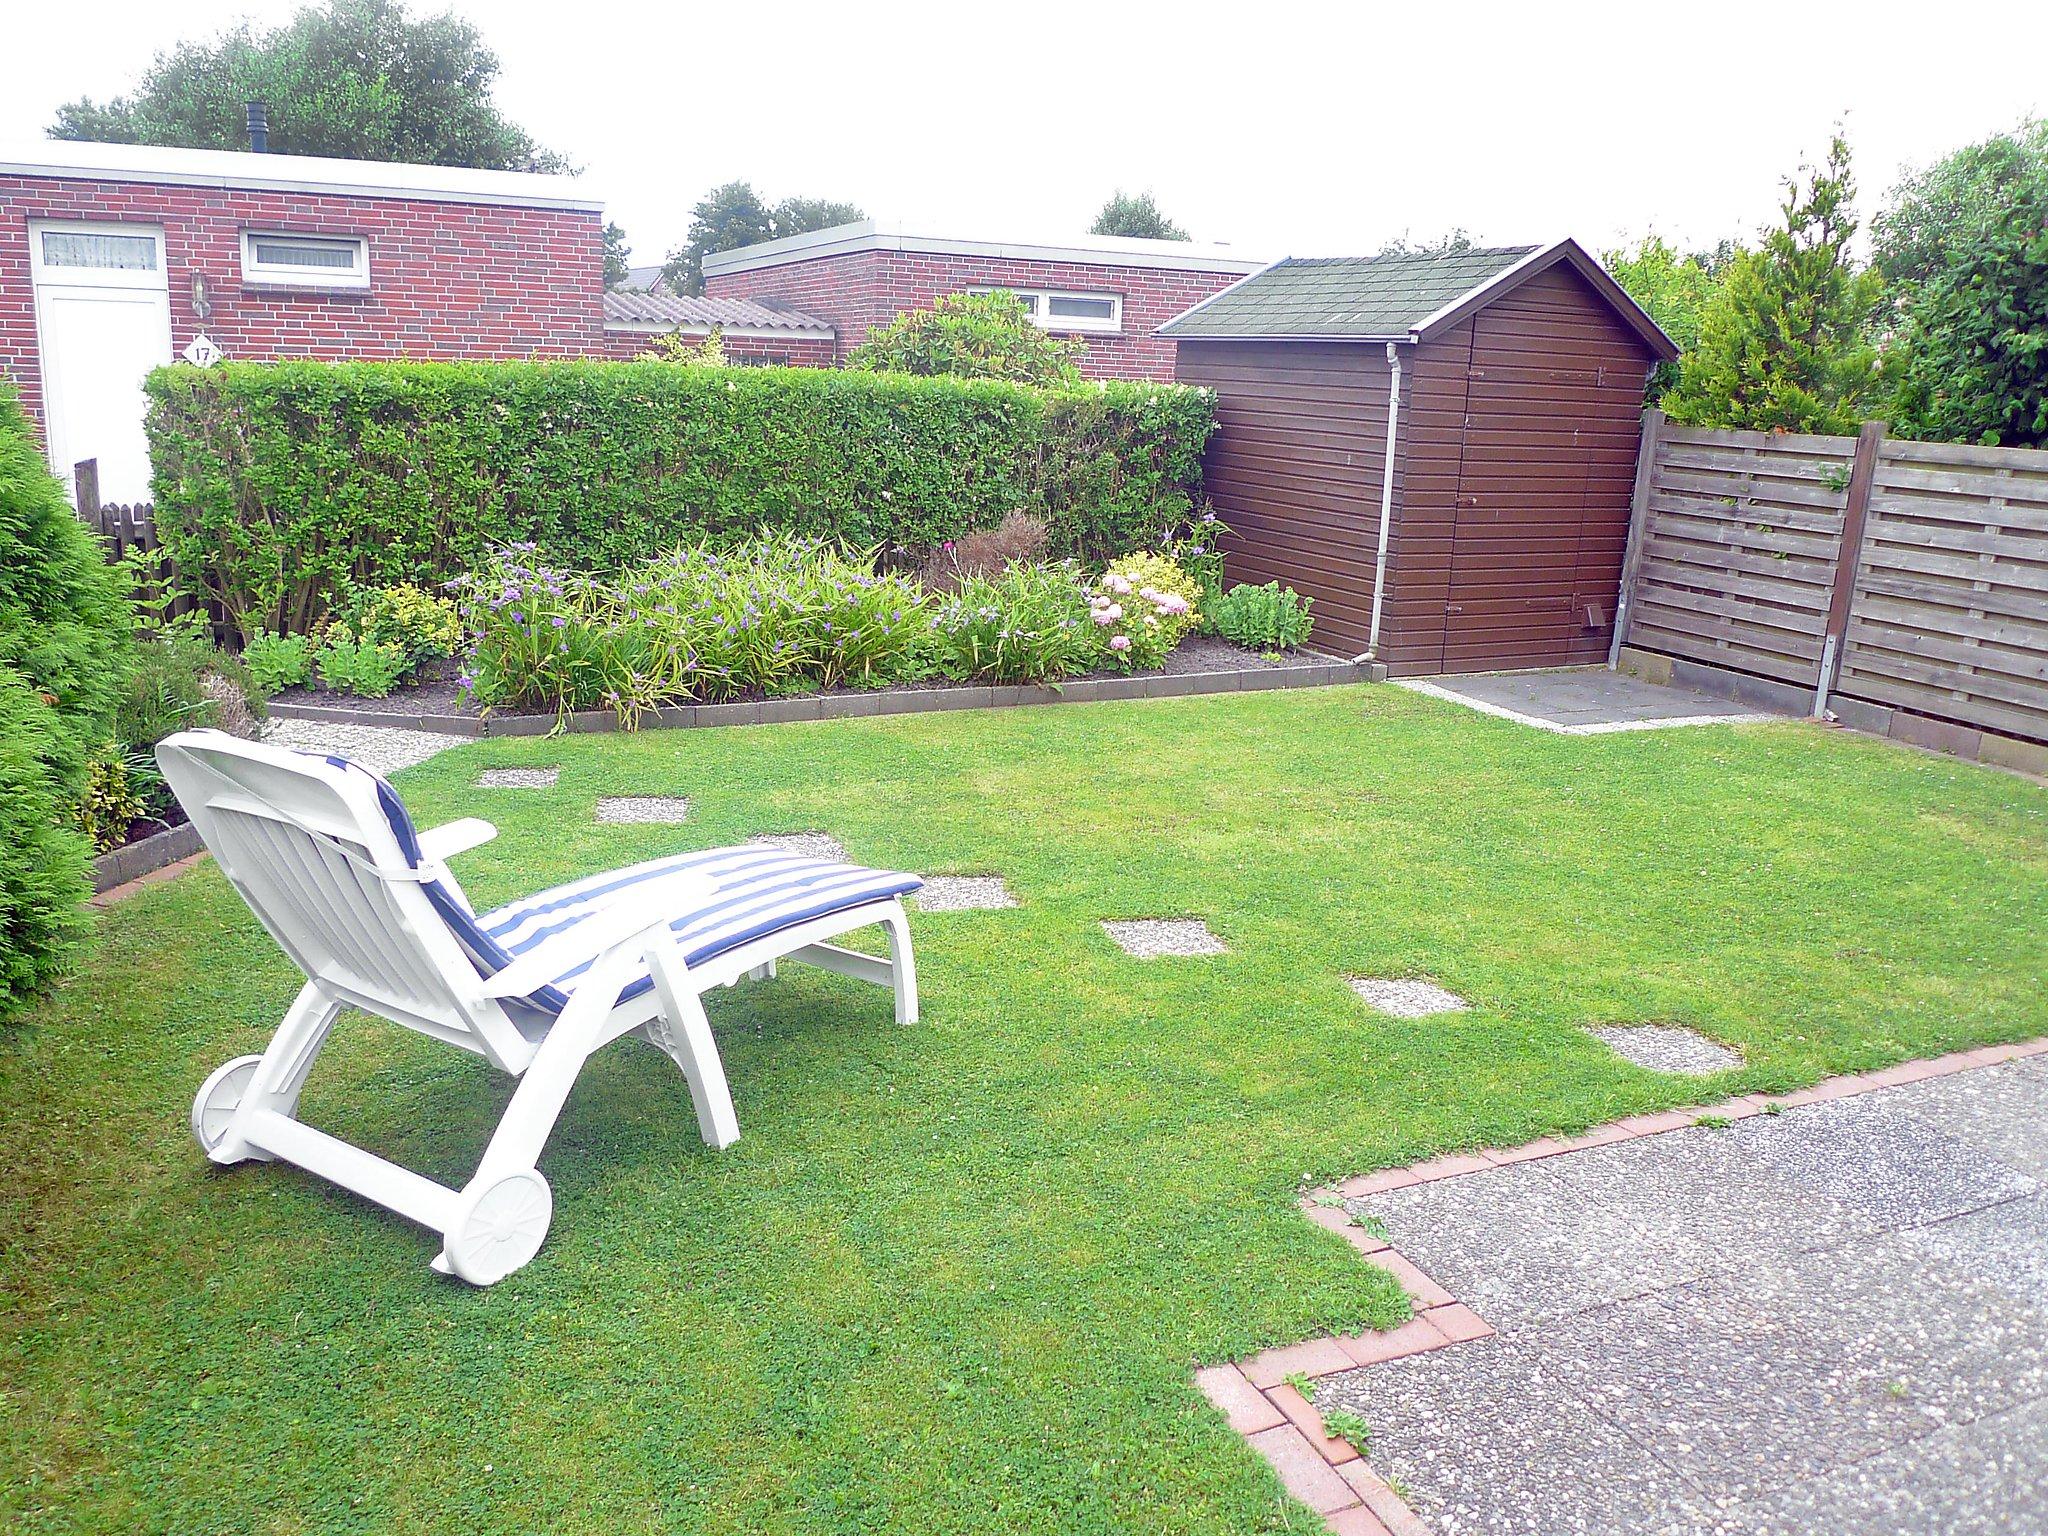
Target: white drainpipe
(1379,569)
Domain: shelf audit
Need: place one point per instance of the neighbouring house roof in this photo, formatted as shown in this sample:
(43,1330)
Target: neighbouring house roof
(641,279)
(626,310)
(1391,298)
(1090,250)
(79,159)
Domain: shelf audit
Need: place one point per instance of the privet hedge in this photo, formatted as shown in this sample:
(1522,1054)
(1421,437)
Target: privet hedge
(280,485)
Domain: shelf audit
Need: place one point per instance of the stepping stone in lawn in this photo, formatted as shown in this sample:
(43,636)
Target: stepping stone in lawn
(664,809)
(809,845)
(1155,938)
(1668,1048)
(1406,997)
(518,778)
(964,893)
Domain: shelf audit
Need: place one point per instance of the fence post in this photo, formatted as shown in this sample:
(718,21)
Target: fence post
(1855,517)
(85,482)
(1638,519)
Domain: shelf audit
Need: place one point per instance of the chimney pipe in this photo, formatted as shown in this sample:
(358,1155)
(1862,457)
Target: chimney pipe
(259,128)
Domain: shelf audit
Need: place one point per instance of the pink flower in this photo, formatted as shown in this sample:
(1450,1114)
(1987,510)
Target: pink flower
(1111,614)
(1120,585)
(1119,642)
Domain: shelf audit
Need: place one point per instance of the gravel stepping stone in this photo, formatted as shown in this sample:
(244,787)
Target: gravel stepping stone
(663,809)
(1155,938)
(1668,1048)
(518,778)
(809,845)
(1406,997)
(965,893)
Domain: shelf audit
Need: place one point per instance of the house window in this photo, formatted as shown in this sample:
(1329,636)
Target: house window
(122,253)
(305,261)
(1055,310)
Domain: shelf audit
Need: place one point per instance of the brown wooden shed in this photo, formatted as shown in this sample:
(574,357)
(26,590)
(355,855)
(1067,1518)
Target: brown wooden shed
(1501,475)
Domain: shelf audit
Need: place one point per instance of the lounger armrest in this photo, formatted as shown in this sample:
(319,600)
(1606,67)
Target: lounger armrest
(646,906)
(439,844)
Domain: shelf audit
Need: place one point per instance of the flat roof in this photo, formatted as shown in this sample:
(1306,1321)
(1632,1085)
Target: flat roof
(229,169)
(1091,250)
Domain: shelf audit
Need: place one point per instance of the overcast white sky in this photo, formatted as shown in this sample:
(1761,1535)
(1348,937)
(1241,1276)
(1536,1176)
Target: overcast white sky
(1280,128)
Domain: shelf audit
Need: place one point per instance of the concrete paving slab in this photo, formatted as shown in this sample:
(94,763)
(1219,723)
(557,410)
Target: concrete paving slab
(1584,700)
(1832,1319)
(1667,1048)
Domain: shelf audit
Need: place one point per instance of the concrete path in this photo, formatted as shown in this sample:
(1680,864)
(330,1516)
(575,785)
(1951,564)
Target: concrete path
(1830,1320)
(381,749)
(1583,701)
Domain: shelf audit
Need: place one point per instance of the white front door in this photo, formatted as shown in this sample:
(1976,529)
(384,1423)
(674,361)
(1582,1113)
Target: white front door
(103,320)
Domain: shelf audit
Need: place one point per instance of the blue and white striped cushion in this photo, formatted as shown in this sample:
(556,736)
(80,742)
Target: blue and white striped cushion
(760,890)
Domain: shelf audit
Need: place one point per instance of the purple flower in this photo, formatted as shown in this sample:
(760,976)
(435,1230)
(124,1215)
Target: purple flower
(560,622)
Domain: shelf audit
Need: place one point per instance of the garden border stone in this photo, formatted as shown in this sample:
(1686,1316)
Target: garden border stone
(1321,673)
(118,866)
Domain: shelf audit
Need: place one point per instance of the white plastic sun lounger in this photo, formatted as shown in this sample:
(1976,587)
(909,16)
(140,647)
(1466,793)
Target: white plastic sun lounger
(328,860)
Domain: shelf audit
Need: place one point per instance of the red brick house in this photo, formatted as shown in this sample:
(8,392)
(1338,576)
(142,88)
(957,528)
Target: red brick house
(1109,292)
(115,258)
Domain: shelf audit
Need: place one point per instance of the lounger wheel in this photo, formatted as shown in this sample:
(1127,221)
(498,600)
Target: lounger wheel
(499,1228)
(219,1096)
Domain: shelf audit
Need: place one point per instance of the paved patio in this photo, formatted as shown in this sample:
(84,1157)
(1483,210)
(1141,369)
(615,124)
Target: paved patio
(1833,1319)
(1583,701)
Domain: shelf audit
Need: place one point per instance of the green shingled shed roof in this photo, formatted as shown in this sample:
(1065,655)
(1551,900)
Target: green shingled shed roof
(1361,296)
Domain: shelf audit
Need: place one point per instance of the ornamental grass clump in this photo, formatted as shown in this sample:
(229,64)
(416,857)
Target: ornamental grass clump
(1025,624)
(1142,607)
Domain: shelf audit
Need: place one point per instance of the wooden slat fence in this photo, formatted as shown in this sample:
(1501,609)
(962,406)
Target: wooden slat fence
(123,528)
(1907,574)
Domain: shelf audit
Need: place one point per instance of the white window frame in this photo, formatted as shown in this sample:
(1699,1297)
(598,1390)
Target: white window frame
(263,275)
(1038,307)
(95,277)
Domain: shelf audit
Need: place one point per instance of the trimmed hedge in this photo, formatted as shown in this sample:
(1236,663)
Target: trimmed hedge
(43,855)
(279,486)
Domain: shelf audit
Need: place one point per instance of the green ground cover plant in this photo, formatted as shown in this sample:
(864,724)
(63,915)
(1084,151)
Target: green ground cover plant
(1265,618)
(953,1277)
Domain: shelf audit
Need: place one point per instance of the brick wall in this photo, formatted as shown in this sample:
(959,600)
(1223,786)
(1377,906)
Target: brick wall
(863,289)
(806,351)
(447,280)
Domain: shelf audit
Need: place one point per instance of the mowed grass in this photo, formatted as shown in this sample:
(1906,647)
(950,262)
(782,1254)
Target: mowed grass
(954,1276)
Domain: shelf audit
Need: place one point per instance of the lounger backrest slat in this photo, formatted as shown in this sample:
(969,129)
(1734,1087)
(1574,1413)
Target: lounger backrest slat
(311,848)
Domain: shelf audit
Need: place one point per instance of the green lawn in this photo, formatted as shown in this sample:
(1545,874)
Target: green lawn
(953,1277)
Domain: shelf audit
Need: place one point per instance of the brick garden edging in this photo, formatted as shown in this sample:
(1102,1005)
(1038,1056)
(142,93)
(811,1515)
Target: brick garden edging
(1277,1421)
(845,706)
(125,865)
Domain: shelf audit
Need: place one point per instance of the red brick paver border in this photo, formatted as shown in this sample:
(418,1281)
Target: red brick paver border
(1282,1425)
(169,871)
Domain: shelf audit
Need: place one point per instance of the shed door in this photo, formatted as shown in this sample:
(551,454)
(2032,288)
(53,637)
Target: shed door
(103,320)
(1541,517)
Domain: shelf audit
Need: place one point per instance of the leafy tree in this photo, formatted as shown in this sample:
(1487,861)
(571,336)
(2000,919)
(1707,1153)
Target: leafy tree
(618,255)
(734,215)
(971,336)
(1138,217)
(355,79)
(801,215)
(1456,243)
(1786,341)
(1675,288)
(1965,249)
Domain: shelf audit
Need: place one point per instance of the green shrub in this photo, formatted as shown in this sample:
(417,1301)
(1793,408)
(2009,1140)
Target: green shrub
(1027,624)
(1268,618)
(1142,607)
(277,662)
(114,799)
(370,669)
(419,623)
(43,856)
(972,336)
(181,681)
(65,624)
(282,488)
